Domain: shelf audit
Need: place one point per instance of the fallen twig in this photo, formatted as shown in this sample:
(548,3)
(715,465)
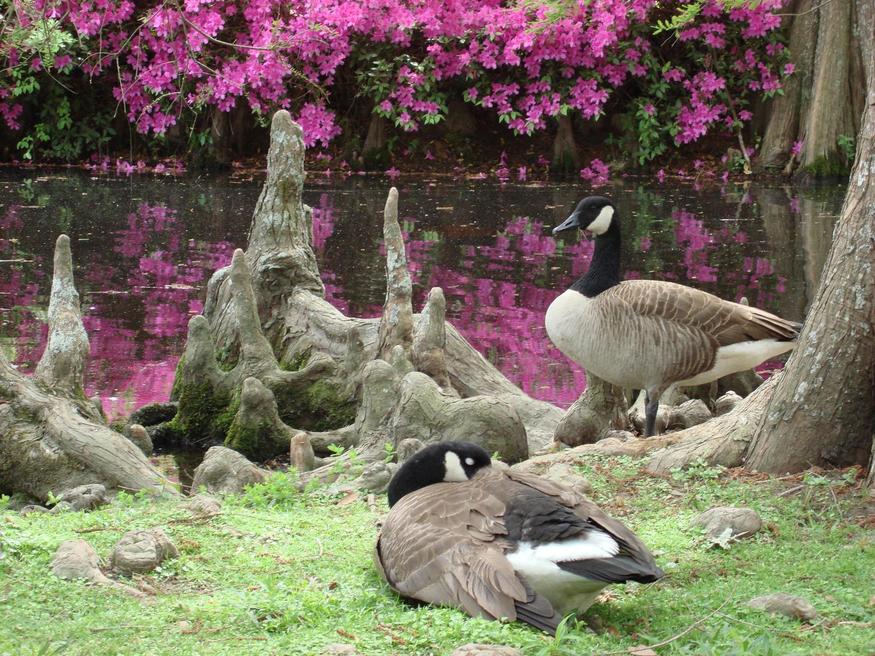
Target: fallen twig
(667,641)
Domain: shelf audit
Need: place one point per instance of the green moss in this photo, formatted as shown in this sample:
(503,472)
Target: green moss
(296,362)
(323,407)
(833,166)
(203,413)
(177,380)
(260,442)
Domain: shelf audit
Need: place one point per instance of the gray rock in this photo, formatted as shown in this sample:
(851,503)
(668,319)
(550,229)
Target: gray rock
(474,649)
(407,447)
(566,475)
(225,471)
(60,507)
(785,604)
(33,508)
(726,403)
(140,437)
(621,435)
(689,413)
(142,551)
(203,505)
(76,559)
(19,500)
(85,497)
(375,477)
(725,523)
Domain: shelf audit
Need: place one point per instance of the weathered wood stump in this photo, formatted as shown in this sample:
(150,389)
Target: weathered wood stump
(52,438)
(271,358)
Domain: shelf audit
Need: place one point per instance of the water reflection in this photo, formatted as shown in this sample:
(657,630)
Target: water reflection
(144,249)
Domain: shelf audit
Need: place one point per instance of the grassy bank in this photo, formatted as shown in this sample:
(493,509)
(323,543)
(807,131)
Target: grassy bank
(279,572)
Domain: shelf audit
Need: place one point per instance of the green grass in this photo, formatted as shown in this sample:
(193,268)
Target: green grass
(281,572)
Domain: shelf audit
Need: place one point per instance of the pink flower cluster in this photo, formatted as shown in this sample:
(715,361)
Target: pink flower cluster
(527,62)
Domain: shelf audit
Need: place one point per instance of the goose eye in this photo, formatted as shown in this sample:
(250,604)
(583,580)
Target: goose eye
(469,461)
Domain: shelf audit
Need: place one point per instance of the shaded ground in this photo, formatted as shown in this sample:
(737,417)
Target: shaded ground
(280,572)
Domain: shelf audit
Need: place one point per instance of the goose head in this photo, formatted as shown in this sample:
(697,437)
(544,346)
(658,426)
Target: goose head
(594,214)
(437,463)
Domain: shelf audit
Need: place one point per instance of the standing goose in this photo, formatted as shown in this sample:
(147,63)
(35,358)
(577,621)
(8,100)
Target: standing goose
(650,334)
(498,543)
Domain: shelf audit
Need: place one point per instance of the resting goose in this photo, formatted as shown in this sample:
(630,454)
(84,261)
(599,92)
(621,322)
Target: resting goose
(499,543)
(650,334)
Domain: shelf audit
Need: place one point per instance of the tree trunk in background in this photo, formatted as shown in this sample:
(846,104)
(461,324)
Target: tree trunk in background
(822,100)
(782,128)
(823,409)
(566,160)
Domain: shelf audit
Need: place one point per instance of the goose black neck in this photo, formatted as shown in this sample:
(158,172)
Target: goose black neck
(604,270)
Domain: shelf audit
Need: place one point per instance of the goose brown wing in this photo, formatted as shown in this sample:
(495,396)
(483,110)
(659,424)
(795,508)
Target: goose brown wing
(724,321)
(443,545)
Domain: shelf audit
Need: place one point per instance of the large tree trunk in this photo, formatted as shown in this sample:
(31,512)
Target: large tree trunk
(822,100)
(51,437)
(823,410)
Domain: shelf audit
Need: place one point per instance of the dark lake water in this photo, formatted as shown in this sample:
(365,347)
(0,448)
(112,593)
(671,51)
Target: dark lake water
(144,248)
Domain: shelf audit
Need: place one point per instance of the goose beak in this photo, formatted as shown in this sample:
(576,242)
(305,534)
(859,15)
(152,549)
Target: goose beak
(569,223)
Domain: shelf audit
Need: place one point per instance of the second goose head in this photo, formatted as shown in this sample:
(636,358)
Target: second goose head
(594,214)
(436,463)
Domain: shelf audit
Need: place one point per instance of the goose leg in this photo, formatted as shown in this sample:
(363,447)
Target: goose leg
(650,408)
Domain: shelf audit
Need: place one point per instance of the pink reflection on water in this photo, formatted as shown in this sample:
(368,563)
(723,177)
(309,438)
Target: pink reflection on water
(137,302)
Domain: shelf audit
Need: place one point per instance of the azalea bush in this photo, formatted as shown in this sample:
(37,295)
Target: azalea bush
(674,70)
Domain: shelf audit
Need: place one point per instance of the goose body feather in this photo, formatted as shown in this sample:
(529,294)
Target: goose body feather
(648,334)
(507,544)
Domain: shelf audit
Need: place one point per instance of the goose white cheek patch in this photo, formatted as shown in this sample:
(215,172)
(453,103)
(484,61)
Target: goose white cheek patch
(602,222)
(453,468)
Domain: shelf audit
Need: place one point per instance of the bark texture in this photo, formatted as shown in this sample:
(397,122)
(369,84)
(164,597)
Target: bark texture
(601,407)
(823,410)
(51,437)
(822,101)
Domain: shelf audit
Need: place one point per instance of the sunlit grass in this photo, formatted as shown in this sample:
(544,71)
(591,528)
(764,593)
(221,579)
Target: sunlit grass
(279,572)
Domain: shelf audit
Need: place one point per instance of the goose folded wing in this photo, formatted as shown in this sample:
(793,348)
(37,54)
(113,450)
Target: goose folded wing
(727,322)
(632,559)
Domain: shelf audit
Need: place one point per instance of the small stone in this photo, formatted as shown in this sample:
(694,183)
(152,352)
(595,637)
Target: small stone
(475,649)
(407,447)
(142,551)
(785,604)
(726,403)
(725,522)
(138,435)
(375,477)
(84,497)
(203,505)
(621,435)
(565,474)
(62,506)
(225,471)
(689,413)
(76,559)
(33,508)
